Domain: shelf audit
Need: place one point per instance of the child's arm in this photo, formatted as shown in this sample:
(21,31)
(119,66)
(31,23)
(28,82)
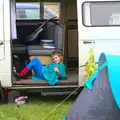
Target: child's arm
(61,70)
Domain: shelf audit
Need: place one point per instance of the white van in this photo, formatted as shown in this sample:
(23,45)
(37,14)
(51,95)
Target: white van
(98,28)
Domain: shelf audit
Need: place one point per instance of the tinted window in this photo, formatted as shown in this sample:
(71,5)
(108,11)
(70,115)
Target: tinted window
(32,10)
(101,13)
(32,13)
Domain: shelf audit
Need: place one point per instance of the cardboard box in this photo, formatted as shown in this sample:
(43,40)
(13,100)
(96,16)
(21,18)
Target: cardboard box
(44,59)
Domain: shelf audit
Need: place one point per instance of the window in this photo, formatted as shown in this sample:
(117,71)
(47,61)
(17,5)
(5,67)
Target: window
(52,9)
(28,10)
(32,13)
(101,13)
(32,10)
(20,14)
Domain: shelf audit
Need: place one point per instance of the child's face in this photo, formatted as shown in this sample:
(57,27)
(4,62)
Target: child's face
(57,59)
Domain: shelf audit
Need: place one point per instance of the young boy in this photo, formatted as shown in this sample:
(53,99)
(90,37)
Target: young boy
(51,72)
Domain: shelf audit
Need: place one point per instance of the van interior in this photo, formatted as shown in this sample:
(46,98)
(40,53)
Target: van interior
(59,24)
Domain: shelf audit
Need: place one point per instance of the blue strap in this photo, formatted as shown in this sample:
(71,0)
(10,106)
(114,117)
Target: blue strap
(89,82)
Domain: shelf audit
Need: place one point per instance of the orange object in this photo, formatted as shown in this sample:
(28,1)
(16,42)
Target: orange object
(44,59)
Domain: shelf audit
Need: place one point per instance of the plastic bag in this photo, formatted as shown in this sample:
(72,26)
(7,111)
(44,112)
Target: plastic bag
(90,65)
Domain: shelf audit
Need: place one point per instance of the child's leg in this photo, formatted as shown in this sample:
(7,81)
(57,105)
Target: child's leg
(35,64)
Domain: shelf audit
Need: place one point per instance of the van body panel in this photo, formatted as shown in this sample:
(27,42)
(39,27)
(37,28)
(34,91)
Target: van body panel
(108,47)
(104,38)
(5,49)
(94,33)
(2,53)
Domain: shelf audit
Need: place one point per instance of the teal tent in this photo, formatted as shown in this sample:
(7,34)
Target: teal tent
(100,99)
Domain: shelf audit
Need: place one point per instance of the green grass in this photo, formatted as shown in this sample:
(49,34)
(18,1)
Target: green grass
(36,109)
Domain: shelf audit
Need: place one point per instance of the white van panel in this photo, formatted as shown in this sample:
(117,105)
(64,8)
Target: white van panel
(103,38)
(1,31)
(5,64)
(108,47)
(97,32)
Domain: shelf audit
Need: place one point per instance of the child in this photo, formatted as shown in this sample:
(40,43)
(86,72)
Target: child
(51,72)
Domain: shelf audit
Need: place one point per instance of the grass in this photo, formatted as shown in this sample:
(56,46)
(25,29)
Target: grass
(36,109)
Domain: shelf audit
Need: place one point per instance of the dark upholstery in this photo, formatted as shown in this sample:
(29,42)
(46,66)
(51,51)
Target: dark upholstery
(53,32)
(19,49)
(37,50)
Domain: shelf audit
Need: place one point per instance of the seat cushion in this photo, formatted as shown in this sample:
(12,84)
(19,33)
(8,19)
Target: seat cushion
(19,49)
(37,50)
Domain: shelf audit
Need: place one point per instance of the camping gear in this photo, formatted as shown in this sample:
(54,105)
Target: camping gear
(34,34)
(21,100)
(48,44)
(90,64)
(99,100)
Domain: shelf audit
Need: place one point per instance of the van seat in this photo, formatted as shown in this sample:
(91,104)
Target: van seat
(37,50)
(19,49)
(54,32)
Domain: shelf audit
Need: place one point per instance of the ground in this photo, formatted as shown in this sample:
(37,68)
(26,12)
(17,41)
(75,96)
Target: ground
(37,109)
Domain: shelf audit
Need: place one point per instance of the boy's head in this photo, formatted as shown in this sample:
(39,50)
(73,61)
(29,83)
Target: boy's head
(57,56)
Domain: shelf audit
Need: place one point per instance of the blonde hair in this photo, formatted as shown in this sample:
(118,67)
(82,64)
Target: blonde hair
(58,53)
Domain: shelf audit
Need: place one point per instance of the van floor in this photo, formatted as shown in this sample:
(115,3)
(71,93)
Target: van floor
(72,80)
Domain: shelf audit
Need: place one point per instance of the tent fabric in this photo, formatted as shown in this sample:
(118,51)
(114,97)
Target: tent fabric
(89,82)
(113,73)
(101,102)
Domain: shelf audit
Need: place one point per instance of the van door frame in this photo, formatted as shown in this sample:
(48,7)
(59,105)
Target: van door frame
(2,41)
(6,73)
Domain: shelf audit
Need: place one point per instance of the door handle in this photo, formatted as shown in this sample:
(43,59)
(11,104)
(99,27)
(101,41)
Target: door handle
(1,43)
(88,42)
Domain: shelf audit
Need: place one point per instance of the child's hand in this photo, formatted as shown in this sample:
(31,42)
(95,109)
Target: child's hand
(56,69)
